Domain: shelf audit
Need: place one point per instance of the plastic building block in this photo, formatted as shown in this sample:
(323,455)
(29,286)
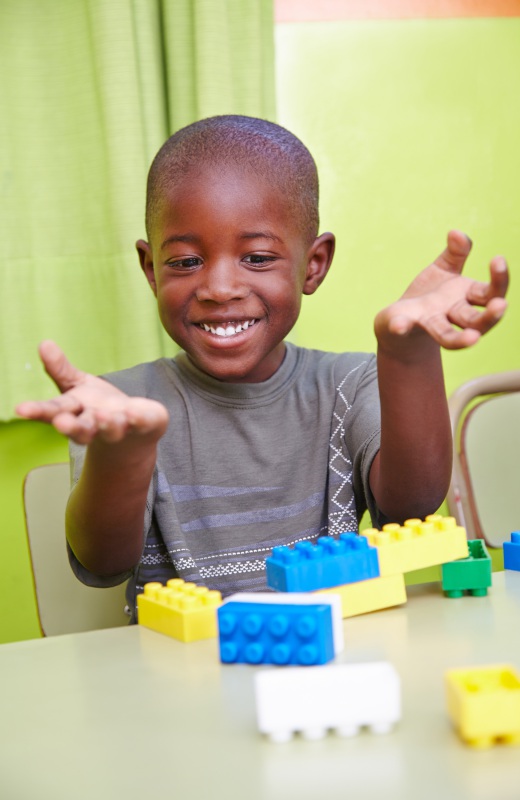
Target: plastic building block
(268,633)
(484,704)
(472,574)
(372,595)
(307,567)
(295,598)
(339,697)
(512,552)
(418,544)
(182,610)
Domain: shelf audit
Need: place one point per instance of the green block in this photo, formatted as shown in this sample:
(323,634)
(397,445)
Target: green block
(471,574)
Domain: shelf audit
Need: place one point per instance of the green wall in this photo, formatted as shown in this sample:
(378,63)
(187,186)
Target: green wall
(23,445)
(414,125)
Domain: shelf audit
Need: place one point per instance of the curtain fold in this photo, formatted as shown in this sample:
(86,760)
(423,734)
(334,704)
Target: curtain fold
(89,91)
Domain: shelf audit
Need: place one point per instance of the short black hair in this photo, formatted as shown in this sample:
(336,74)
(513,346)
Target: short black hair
(246,142)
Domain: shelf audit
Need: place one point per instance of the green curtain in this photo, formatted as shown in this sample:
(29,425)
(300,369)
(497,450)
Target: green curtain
(89,91)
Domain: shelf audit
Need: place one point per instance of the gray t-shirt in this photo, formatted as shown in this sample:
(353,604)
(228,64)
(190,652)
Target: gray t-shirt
(245,467)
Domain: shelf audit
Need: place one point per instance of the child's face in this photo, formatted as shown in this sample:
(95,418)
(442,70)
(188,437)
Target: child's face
(228,266)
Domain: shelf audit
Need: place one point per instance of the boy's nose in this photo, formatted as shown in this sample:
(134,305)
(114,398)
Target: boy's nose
(221,283)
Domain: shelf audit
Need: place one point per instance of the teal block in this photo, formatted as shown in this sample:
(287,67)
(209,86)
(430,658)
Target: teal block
(471,574)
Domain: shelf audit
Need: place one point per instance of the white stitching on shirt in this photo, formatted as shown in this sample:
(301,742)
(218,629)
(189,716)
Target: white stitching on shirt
(344,515)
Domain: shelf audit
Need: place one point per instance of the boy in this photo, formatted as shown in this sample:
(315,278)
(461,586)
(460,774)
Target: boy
(199,465)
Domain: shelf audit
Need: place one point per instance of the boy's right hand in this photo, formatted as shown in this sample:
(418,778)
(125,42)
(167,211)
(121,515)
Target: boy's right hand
(91,408)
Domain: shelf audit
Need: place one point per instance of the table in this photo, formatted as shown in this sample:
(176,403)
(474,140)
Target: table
(127,713)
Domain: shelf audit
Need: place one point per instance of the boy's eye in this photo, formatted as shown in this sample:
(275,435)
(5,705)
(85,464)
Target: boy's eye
(184,263)
(258,259)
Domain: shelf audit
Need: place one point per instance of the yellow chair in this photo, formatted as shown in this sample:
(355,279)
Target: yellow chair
(64,604)
(485,485)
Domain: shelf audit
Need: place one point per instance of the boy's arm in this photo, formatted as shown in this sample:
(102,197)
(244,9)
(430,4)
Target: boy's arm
(441,308)
(105,513)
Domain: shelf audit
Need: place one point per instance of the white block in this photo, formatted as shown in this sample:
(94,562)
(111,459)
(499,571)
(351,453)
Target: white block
(299,598)
(339,697)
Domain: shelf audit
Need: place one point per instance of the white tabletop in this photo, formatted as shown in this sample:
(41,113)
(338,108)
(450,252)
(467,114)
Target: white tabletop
(128,713)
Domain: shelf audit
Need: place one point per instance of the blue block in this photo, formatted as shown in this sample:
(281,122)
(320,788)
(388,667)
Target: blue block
(512,552)
(330,562)
(272,633)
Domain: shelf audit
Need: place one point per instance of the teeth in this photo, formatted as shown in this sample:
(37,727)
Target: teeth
(229,330)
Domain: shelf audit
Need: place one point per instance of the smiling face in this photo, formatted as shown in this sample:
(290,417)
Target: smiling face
(228,265)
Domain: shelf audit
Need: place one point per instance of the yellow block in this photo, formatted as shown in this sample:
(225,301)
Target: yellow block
(484,704)
(182,610)
(370,595)
(418,544)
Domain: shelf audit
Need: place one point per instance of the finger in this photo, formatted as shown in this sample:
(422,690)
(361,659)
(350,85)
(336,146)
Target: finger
(46,410)
(57,366)
(499,276)
(400,325)
(448,336)
(80,429)
(453,258)
(480,293)
(139,416)
(145,416)
(91,424)
(112,426)
(482,320)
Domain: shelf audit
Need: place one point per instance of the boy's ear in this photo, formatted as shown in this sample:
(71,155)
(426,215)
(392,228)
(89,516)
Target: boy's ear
(146,260)
(319,260)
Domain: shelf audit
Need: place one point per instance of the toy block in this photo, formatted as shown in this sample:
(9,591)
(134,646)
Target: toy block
(181,610)
(484,704)
(297,598)
(371,595)
(512,552)
(418,544)
(339,697)
(472,574)
(307,567)
(272,633)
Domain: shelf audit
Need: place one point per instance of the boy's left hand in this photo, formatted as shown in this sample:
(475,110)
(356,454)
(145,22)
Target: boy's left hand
(452,310)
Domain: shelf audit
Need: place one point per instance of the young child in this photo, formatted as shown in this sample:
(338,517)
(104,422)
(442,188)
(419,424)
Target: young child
(198,466)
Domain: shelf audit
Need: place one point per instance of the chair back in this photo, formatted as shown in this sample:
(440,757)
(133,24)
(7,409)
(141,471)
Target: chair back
(484,490)
(64,604)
